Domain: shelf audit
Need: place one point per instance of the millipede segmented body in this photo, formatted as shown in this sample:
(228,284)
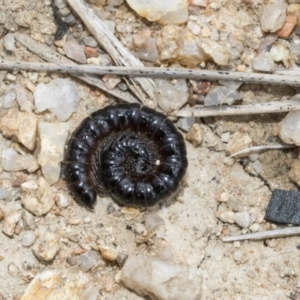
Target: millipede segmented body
(129,152)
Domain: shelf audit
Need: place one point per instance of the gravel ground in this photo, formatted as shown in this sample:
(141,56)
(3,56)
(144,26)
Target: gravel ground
(219,196)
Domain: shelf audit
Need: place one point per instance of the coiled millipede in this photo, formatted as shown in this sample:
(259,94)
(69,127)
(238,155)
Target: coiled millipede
(129,152)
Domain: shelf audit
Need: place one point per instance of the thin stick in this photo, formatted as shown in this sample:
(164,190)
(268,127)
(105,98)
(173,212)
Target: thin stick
(195,74)
(270,234)
(255,108)
(47,54)
(250,150)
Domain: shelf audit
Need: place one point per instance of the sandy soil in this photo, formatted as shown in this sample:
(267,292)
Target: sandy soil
(241,270)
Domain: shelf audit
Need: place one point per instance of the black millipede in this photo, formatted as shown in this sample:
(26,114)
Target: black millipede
(129,152)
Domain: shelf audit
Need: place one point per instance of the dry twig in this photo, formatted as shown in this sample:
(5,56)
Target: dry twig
(255,108)
(270,234)
(47,54)
(210,75)
(250,150)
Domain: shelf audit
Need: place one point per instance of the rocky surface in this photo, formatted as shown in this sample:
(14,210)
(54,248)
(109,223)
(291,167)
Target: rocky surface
(53,248)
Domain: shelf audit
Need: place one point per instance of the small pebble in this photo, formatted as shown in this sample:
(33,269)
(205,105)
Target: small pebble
(185,123)
(242,219)
(9,223)
(109,253)
(90,41)
(13,269)
(60,96)
(87,220)
(9,42)
(46,247)
(75,51)
(4,194)
(237,255)
(225,216)
(273,16)
(71,260)
(121,259)
(111,81)
(87,260)
(195,135)
(257,166)
(74,221)
(63,200)
(28,238)
(264,63)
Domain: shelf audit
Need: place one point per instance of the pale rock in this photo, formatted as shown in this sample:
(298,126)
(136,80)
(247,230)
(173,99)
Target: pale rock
(20,125)
(225,216)
(10,77)
(161,280)
(195,135)
(46,247)
(13,269)
(63,285)
(28,238)
(280,52)
(105,60)
(9,98)
(242,219)
(173,94)
(87,260)
(24,18)
(12,161)
(273,16)
(111,81)
(145,48)
(289,128)
(165,12)
(52,139)
(185,123)
(237,255)
(4,194)
(238,141)
(9,42)
(217,52)
(257,166)
(225,137)
(28,220)
(264,63)
(24,98)
(254,227)
(60,96)
(37,199)
(221,95)
(63,200)
(152,222)
(109,253)
(167,42)
(190,51)
(75,51)
(10,222)
(90,41)
(194,28)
